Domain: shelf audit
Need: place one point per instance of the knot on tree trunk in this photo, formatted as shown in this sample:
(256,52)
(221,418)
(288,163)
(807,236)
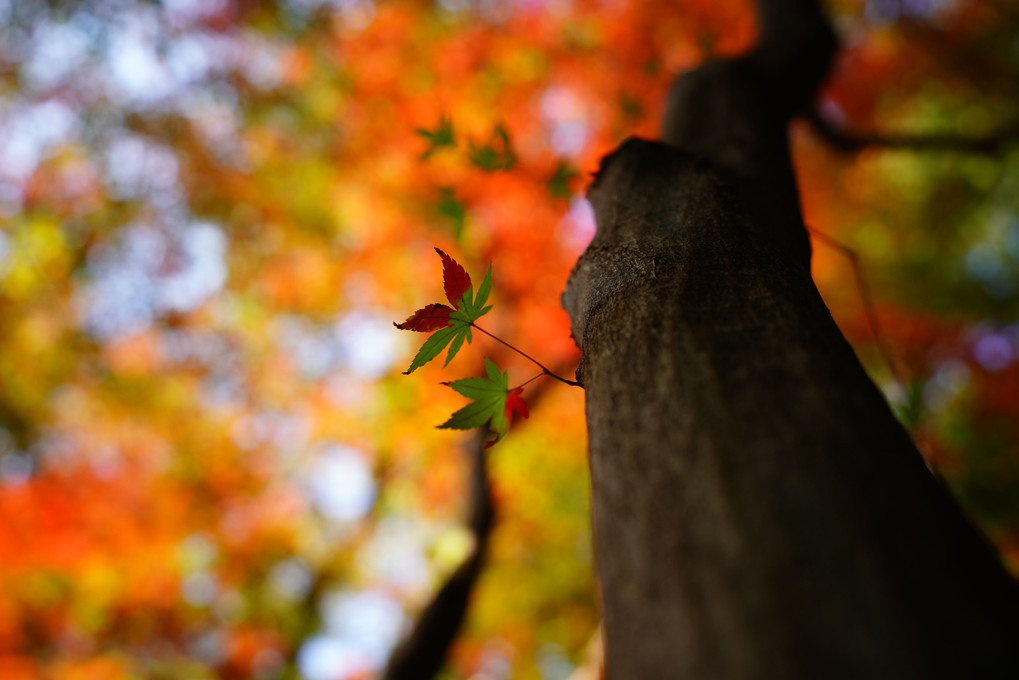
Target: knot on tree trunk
(647,198)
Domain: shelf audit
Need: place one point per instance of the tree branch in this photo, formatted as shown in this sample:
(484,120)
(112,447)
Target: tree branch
(421,655)
(848,141)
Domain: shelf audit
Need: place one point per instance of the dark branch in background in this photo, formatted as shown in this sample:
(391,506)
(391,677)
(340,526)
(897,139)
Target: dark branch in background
(421,655)
(848,141)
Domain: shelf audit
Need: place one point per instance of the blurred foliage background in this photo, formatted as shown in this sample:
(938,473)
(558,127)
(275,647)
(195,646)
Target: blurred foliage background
(213,210)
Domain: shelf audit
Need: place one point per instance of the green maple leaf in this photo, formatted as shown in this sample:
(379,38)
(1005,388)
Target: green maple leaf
(453,323)
(559,184)
(492,402)
(496,154)
(438,138)
(449,206)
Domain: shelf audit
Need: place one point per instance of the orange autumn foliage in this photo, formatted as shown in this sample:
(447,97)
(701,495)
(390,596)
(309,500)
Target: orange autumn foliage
(207,452)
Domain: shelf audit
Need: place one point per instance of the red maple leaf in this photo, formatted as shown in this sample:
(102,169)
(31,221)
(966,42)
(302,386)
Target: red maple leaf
(449,326)
(455,279)
(427,319)
(515,404)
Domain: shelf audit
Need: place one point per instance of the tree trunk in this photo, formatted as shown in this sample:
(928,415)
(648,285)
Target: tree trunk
(758,511)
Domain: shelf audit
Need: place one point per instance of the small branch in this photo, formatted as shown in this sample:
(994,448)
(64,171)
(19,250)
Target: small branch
(544,370)
(421,655)
(846,141)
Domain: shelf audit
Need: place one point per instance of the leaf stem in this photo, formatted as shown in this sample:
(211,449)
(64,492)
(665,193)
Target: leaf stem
(529,380)
(544,370)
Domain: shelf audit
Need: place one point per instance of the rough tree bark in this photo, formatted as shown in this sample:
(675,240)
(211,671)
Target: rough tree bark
(758,512)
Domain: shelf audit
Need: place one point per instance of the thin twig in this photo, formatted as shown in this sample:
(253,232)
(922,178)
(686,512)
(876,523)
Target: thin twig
(544,370)
(868,301)
(529,380)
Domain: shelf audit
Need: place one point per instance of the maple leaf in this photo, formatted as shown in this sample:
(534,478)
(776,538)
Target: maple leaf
(449,206)
(455,279)
(492,402)
(497,154)
(426,319)
(516,404)
(559,184)
(442,136)
(452,326)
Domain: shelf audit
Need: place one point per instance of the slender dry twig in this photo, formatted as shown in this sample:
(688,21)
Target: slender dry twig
(865,296)
(534,361)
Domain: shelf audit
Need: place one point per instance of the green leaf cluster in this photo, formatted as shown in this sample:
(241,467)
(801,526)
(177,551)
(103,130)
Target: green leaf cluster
(470,309)
(491,156)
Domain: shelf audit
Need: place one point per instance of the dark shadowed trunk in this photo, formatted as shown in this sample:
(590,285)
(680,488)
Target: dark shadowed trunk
(758,511)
